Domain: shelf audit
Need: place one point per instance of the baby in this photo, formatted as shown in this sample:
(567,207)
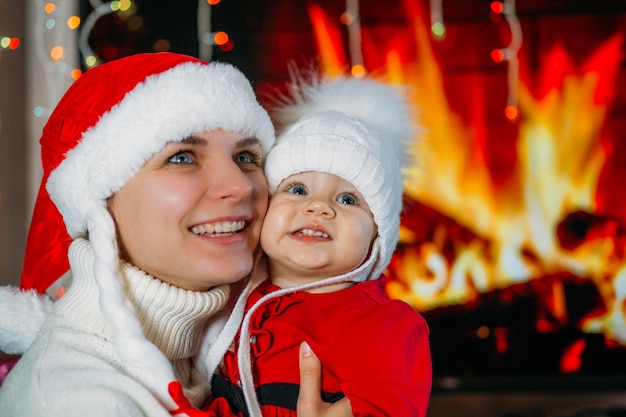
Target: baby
(336,180)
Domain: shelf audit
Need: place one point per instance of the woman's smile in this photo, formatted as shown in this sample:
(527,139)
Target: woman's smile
(219,229)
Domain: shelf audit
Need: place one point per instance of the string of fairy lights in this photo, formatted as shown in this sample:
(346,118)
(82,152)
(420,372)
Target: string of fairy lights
(55,28)
(55,19)
(509,54)
(352,20)
(207,39)
(9,42)
(100,9)
(57,24)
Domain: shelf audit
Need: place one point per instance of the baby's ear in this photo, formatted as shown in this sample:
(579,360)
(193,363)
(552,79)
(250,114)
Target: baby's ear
(21,316)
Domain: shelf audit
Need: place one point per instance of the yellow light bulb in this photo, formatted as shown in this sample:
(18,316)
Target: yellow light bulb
(57,53)
(73,22)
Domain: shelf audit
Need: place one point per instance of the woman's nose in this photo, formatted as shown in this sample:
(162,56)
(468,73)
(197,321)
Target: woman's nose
(230,182)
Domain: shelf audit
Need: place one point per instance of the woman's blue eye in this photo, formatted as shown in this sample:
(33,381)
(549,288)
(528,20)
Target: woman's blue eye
(297,189)
(247,158)
(182,157)
(347,199)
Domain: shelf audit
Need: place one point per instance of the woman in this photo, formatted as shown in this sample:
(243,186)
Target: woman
(153,180)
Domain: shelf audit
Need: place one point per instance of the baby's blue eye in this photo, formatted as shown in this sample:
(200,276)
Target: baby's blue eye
(297,189)
(183,157)
(347,199)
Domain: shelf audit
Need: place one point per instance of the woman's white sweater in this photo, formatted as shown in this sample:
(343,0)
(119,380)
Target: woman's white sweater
(72,369)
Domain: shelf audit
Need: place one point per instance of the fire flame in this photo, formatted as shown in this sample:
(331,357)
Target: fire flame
(489,234)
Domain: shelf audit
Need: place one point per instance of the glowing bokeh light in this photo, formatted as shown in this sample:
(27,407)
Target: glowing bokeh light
(497,7)
(38,111)
(59,292)
(75,74)
(213,2)
(57,53)
(511,112)
(49,7)
(346,18)
(438,29)
(483,332)
(50,23)
(125,5)
(220,38)
(228,46)
(357,71)
(73,22)
(90,61)
(5,42)
(497,55)
(115,5)
(162,45)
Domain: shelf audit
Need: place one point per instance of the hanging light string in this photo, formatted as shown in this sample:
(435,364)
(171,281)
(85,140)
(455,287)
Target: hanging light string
(52,37)
(90,59)
(205,36)
(510,55)
(437,26)
(352,21)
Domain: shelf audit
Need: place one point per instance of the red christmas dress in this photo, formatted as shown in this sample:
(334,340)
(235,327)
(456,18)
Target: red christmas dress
(373,350)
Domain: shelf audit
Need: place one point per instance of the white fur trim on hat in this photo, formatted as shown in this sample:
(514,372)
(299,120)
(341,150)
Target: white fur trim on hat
(166,107)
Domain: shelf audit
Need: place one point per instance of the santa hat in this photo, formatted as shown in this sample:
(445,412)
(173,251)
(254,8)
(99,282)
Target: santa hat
(109,122)
(357,129)
(106,126)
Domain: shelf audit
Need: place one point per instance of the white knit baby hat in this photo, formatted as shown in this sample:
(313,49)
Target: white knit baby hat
(358,129)
(105,127)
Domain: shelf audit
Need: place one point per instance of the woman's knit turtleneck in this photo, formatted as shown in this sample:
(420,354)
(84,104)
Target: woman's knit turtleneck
(172,318)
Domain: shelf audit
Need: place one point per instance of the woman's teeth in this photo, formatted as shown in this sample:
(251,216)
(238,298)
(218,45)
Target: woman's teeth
(216,228)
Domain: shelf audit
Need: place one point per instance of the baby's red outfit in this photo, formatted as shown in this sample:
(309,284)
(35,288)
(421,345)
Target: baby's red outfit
(373,350)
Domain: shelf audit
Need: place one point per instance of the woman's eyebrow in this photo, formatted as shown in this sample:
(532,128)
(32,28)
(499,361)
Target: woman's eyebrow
(194,140)
(248,142)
